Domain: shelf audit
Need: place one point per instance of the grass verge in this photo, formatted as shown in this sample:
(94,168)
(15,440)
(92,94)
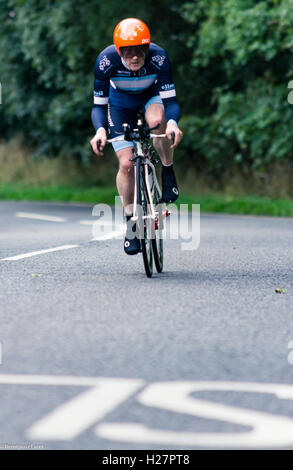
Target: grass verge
(253,205)
(52,193)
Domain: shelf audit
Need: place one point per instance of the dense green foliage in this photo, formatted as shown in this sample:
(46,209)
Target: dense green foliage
(242,54)
(232,62)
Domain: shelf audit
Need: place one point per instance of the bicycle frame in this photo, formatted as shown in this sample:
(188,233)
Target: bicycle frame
(143,155)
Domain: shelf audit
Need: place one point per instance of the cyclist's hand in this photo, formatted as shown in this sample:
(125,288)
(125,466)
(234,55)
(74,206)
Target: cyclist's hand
(177,133)
(102,137)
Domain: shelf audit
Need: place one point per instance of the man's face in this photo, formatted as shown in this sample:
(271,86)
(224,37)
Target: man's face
(134,56)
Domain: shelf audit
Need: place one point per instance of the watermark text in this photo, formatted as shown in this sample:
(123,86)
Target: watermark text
(166,221)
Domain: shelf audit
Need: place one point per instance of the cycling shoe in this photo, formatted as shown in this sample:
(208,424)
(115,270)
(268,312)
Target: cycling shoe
(131,243)
(170,190)
(132,246)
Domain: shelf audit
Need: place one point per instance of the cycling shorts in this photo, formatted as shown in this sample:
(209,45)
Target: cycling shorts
(118,115)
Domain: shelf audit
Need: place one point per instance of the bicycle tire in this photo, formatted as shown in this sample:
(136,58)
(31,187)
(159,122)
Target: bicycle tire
(157,234)
(144,224)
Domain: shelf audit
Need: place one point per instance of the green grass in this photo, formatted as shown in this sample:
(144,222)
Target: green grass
(57,193)
(253,205)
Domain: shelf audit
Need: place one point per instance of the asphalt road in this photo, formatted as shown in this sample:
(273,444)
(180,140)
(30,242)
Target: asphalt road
(94,355)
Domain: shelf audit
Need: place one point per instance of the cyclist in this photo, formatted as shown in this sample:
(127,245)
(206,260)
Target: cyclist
(130,75)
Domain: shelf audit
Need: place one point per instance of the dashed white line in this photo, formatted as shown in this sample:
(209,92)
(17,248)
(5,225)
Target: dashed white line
(107,235)
(86,222)
(40,252)
(49,218)
(96,222)
(102,235)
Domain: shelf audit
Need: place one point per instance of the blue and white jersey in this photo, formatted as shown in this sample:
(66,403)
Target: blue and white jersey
(117,85)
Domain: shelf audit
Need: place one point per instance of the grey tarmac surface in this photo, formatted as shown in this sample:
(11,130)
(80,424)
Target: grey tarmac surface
(212,316)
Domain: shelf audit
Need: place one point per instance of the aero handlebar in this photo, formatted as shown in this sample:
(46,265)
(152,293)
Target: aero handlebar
(141,133)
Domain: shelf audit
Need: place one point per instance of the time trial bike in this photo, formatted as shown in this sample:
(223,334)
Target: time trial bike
(149,211)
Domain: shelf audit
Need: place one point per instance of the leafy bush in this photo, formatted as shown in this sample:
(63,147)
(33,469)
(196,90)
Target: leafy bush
(232,62)
(50,49)
(246,47)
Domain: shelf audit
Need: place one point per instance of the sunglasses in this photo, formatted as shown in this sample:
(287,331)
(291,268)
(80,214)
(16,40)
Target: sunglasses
(131,51)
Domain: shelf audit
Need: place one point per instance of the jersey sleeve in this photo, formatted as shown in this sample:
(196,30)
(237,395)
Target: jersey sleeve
(101,91)
(166,88)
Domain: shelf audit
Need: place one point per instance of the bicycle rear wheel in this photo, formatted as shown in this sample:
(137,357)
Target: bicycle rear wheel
(144,221)
(157,232)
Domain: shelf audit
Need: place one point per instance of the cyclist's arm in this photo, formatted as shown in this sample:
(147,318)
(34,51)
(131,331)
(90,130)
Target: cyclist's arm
(172,111)
(101,97)
(99,110)
(166,89)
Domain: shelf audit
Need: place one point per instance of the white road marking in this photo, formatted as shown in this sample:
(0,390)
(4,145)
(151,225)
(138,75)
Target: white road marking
(80,413)
(62,380)
(264,429)
(30,215)
(275,433)
(101,234)
(75,416)
(104,236)
(109,235)
(40,252)
(97,222)
(86,222)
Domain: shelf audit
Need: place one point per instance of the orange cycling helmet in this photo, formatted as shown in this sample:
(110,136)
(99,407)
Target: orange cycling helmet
(131,32)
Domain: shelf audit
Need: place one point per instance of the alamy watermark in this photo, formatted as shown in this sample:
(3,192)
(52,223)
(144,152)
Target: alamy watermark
(172,222)
(290,96)
(290,355)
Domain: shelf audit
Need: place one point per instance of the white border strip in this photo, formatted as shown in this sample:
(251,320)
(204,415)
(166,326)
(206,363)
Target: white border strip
(30,215)
(167,94)
(40,252)
(62,380)
(101,101)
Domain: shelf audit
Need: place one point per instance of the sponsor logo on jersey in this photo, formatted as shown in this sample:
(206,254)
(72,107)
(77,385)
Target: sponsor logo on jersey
(159,59)
(110,121)
(98,93)
(104,62)
(168,86)
(124,72)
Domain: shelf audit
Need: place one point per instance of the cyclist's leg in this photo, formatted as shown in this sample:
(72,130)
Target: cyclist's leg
(125,176)
(124,151)
(155,114)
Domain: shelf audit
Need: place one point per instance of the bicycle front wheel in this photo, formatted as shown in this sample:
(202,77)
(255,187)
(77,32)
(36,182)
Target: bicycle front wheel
(144,221)
(157,234)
